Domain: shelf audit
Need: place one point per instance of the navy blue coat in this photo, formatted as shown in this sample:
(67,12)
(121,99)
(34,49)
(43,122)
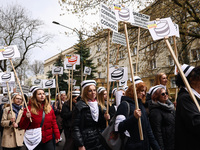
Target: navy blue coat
(131,125)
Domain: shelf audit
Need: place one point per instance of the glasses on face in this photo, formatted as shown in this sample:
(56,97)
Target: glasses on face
(163,94)
(17,98)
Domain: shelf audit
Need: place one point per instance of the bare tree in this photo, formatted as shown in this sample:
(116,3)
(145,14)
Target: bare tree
(37,67)
(17,28)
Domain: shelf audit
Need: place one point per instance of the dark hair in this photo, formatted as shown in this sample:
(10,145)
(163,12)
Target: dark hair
(192,77)
(156,94)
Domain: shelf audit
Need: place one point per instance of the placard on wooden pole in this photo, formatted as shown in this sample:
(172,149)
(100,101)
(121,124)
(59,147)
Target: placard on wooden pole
(20,87)
(182,74)
(133,82)
(108,55)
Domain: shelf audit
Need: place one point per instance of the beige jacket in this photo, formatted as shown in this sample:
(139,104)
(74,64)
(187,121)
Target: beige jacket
(11,138)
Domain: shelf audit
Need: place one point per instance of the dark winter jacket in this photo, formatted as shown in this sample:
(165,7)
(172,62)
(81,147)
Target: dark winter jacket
(66,115)
(131,125)
(162,120)
(187,123)
(85,130)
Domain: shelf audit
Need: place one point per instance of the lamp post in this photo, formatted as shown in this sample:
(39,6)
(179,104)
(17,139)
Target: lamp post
(78,33)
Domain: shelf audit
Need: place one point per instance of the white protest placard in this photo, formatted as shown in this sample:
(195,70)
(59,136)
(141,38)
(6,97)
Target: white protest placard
(7,52)
(72,59)
(108,18)
(177,34)
(161,28)
(4,99)
(5,89)
(7,77)
(122,83)
(140,20)
(37,82)
(51,83)
(119,38)
(123,14)
(69,66)
(87,70)
(120,73)
(25,89)
(57,70)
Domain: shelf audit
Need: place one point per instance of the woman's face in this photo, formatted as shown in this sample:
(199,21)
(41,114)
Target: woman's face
(91,92)
(141,94)
(18,100)
(105,95)
(40,95)
(163,80)
(163,96)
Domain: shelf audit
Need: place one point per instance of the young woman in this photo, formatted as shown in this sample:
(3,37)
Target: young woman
(162,118)
(88,119)
(129,125)
(12,135)
(37,105)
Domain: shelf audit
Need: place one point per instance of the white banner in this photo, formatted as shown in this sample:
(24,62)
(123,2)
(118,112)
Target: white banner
(87,70)
(57,70)
(120,73)
(72,59)
(119,38)
(7,52)
(107,18)
(140,20)
(51,83)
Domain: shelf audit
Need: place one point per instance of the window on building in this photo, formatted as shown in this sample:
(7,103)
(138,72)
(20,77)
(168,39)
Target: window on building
(173,82)
(135,50)
(153,64)
(196,54)
(99,74)
(98,48)
(170,60)
(121,55)
(134,67)
(151,82)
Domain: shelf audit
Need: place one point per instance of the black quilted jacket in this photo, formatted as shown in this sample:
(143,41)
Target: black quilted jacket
(85,130)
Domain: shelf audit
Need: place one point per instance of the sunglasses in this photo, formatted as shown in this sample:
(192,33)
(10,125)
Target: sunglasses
(163,94)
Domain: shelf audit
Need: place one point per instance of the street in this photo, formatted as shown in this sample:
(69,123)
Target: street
(59,147)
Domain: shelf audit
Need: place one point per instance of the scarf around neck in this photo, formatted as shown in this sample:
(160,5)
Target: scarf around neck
(16,109)
(94,109)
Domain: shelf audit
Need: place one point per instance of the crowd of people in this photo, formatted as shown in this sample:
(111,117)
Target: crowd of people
(83,115)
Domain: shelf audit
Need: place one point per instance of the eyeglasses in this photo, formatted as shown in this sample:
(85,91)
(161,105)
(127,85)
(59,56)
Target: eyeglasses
(18,98)
(163,94)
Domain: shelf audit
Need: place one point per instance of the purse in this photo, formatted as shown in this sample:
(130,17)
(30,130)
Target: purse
(111,139)
(33,137)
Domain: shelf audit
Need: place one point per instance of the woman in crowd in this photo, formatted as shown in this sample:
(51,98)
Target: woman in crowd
(88,119)
(129,125)
(102,101)
(162,117)
(12,135)
(66,115)
(40,111)
(187,120)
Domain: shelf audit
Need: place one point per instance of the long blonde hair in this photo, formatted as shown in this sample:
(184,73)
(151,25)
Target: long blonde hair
(158,78)
(36,106)
(100,99)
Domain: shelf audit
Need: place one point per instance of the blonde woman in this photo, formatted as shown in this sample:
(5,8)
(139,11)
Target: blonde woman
(88,119)
(39,105)
(12,135)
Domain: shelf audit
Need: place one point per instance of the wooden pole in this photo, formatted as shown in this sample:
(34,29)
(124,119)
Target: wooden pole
(68,93)
(182,74)
(117,54)
(133,82)
(85,76)
(108,88)
(49,96)
(138,47)
(176,53)
(20,87)
(71,90)
(9,99)
(57,87)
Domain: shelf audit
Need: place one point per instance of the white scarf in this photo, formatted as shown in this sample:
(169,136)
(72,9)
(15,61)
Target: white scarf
(94,110)
(194,92)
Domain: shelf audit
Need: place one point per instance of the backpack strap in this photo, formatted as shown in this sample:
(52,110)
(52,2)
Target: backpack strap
(43,116)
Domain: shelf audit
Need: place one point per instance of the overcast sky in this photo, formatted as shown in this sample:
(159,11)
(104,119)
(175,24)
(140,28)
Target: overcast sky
(48,11)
